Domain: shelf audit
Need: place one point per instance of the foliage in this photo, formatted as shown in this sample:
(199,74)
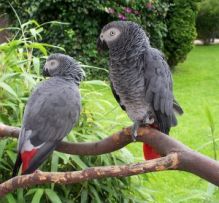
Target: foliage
(195,87)
(181,30)
(161,19)
(207,21)
(20,61)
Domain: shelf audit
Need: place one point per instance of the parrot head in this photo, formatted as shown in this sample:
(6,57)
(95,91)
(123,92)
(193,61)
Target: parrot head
(62,65)
(117,34)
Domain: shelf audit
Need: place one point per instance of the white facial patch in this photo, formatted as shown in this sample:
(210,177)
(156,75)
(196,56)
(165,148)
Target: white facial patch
(111,34)
(51,64)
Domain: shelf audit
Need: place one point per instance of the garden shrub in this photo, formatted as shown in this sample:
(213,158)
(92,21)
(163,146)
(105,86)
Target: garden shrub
(169,23)
(207,21)
(20,67)
(181,30)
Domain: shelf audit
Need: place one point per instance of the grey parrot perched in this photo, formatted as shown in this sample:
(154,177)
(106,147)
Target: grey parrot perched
(140,78)
(51,112)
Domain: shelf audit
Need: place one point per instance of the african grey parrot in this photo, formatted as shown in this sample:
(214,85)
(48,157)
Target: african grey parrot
(140,78)
(51,112)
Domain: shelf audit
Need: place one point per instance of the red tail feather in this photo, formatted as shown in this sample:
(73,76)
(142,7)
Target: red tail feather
(26,157)
(150,152)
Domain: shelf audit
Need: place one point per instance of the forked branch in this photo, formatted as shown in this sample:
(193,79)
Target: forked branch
(176,156)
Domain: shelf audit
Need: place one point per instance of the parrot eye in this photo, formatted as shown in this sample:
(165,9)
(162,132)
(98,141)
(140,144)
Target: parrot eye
(112,33)
(52,64)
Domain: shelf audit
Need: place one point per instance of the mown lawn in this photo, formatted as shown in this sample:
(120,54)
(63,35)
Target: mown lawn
(196,87)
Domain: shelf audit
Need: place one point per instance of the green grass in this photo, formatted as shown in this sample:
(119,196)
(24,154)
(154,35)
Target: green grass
(196,87)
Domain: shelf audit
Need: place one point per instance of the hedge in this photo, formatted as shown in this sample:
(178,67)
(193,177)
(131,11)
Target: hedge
(207,21)
(169,23)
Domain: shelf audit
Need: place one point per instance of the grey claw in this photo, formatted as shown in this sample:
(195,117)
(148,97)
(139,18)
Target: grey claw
(134,135)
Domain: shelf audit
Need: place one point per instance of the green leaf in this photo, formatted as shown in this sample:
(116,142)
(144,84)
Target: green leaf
(38,46)
(29,78)
(36,32)
(55,22)
(33,32)
(64,157)
(37,196)
(11,155)
(53,46)
(30,22)
(52,196)
(94,67)
(96,196)
(10,198)
(2,147)
(20,195)
(54,165)
(79,162)
(36,65)
(211,189)
(84,196)
(7,88)
(31,191)
(7,76)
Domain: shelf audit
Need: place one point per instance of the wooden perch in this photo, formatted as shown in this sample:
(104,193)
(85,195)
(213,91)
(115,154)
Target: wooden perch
(38,177)
(176,156)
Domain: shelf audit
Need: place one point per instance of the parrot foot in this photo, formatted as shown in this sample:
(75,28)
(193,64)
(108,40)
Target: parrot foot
(135,130)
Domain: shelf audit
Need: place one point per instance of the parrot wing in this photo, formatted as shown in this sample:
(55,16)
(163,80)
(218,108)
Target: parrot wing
(49,116)
(117,97)
(159,91)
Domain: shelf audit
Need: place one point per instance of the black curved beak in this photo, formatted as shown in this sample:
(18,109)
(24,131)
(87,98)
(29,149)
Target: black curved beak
(45,72)
(101,45)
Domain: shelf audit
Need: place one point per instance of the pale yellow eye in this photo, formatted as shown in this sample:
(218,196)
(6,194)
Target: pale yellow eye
(112,33)
(52,63)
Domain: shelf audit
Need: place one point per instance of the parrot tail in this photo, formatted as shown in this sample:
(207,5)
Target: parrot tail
(26,157)
(34,158)
(17,165)
(150,152)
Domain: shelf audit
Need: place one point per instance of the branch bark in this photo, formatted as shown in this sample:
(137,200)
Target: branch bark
(38,177)
(176,156)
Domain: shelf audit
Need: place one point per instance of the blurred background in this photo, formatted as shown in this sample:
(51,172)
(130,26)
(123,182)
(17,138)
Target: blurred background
(186,31)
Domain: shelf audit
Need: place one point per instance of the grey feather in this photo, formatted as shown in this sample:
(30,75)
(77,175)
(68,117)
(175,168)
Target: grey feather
(140,76)
(52,110)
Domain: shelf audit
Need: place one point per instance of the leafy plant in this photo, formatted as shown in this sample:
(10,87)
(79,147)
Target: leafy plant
(180,22)
(207,21)
(161,20)
(20,62)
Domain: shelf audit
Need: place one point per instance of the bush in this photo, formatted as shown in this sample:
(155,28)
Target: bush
(181,30)
(170,25)
(207,21)
(20,61)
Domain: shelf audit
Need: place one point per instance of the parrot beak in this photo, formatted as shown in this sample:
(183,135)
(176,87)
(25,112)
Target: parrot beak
(45,72)
(101,44)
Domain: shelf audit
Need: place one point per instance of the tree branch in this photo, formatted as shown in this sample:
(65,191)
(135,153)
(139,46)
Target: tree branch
(39,178)
(176,156)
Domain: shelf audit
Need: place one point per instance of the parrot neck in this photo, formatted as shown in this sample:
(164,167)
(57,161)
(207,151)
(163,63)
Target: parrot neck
(73,74)
(130,51)
(72,80)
